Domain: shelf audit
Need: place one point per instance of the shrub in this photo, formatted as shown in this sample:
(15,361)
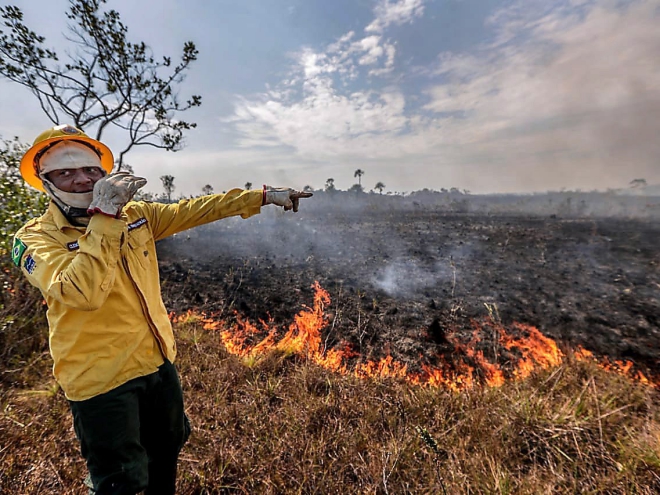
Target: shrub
(22,312)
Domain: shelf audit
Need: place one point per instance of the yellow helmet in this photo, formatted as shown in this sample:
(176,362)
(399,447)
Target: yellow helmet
(47,139)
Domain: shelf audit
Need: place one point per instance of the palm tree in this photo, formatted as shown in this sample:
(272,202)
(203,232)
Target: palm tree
(207,189)
(380,186)
(359,173)
(248,186)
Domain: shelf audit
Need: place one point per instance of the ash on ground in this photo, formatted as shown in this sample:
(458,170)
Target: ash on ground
(402,279)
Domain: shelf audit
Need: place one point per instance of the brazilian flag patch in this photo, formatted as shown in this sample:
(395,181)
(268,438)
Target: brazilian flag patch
(17,251)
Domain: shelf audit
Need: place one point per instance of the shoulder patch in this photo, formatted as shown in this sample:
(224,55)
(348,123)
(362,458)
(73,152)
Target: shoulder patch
(137,223)
(30,264)
(17,251)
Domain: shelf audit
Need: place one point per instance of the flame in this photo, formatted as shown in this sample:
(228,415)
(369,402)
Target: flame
(623,368)
(537,350)
(387,367)
(522,350)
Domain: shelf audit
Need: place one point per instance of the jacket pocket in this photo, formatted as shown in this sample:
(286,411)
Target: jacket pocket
(140,248)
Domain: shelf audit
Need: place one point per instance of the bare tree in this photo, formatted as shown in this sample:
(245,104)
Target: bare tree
(207,189)
(107,81)
(168,186)
(379,187)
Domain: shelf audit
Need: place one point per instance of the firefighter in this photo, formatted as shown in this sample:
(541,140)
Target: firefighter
(93,257)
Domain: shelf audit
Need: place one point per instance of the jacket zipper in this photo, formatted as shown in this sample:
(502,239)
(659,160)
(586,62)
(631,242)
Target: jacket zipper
(145,309)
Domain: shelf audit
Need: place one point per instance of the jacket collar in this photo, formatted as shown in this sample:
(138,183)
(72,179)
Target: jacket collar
(60,221)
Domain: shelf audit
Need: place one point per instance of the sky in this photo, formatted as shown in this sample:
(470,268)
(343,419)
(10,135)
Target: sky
(492,96)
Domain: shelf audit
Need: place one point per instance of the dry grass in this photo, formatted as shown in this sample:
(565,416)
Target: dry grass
(279,425)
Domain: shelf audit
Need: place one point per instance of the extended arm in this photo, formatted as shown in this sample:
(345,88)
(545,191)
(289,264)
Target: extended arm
(166,220)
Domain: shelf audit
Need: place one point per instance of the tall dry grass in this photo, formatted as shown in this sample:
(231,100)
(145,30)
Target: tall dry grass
(280,425)
(23,327)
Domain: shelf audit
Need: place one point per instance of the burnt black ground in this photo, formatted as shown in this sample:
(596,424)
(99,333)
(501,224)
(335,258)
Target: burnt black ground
(401,279)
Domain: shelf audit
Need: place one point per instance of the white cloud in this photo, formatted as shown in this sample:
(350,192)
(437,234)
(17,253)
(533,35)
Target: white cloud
(568,96)
(324,123)
(325,115)
(394,13)
(347,54)
(570,85)
(371,48)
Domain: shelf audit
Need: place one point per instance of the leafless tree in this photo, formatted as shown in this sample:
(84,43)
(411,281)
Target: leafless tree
(107,81)
(168,186)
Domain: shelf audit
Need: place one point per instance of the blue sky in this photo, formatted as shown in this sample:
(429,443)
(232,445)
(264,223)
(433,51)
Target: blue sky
(485,95)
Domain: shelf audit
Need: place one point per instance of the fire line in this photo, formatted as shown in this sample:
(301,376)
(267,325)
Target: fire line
(523,353)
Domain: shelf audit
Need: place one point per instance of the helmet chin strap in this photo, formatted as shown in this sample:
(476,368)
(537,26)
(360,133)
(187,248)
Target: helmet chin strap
(73,205)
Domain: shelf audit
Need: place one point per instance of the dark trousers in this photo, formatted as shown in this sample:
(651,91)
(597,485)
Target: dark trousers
(131,436)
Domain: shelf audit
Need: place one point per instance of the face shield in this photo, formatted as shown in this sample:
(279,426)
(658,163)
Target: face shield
(67,155)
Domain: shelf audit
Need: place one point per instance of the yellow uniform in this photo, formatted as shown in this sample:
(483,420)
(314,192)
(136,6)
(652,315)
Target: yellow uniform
(107,320)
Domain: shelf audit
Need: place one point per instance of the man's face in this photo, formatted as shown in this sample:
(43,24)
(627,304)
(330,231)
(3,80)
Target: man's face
(76,180)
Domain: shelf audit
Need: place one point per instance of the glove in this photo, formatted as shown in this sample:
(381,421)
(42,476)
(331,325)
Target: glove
(112,192)
(284,196)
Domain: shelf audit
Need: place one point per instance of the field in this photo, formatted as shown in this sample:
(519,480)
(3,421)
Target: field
(401,280)
(440,352)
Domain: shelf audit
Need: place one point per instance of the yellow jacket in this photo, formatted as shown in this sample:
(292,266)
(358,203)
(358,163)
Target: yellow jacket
(107,320)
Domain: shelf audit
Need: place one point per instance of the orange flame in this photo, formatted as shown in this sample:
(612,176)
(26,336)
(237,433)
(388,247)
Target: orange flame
(623,368)
(526,350)
(537,350)
(387,367)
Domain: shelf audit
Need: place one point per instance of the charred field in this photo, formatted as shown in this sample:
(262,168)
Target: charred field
(402,281)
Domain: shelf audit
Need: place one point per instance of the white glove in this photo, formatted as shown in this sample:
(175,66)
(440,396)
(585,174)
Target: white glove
(284,196)
(112,192)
